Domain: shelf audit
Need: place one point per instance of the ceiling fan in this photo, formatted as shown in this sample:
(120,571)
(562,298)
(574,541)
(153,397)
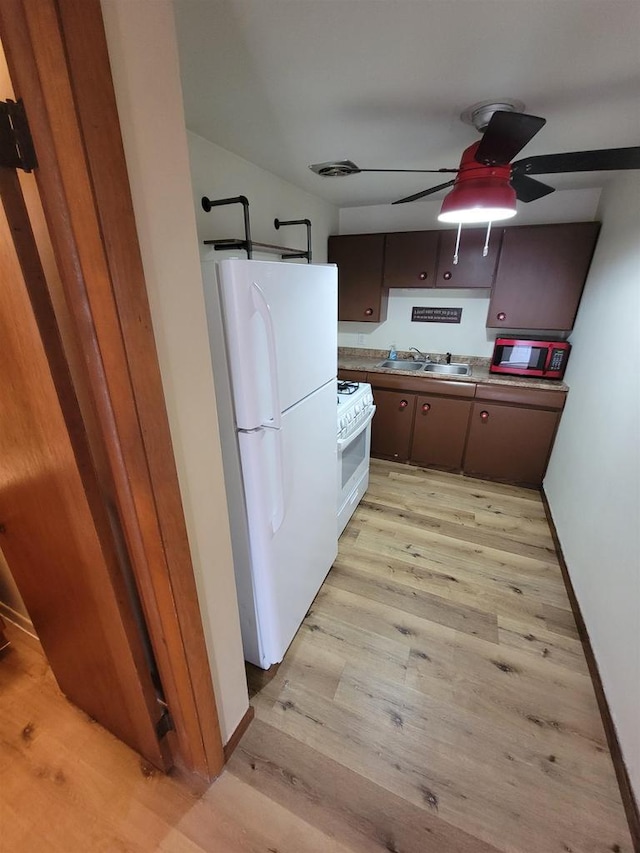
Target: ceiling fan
(487,180)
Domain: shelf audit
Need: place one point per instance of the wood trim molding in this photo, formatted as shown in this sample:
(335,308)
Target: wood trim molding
(23,622)
(236,737)
(58,61)
(624,783)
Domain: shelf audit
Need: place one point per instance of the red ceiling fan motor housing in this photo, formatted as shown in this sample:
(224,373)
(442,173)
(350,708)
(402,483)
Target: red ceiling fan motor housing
(477,186)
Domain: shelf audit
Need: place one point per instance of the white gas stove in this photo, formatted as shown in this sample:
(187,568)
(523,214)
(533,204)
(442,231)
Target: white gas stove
(355,412)
(355,402)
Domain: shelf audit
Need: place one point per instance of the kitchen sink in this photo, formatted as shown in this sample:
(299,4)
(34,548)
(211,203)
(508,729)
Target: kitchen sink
(402,364)
(426,366)
(457,369)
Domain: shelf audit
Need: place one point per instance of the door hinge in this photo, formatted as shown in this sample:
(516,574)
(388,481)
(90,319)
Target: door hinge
(16,144)
(164,724)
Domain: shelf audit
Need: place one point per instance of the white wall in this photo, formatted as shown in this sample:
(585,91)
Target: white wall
(142,48)
(593,481)
(217,173)
(470,337)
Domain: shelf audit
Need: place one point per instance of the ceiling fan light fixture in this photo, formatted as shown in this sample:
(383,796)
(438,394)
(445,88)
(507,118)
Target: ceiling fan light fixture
(482,200)
(480,193)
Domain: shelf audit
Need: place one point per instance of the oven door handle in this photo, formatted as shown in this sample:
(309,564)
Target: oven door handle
(345,442)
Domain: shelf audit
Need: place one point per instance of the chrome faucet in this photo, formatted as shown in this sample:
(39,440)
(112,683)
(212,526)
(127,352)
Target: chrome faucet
(423,357)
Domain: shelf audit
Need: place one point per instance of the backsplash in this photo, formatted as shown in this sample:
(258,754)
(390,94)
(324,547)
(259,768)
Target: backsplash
(438,357)
(468,336)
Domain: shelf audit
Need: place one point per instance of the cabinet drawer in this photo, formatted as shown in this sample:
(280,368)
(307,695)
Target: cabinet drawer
(520,396)
(422,384)
(352,375)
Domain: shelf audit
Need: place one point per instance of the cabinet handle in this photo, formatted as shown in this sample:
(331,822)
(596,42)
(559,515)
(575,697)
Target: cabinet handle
(501,315)
(403,404)
(368,312)
(422,276)
(484,415)
(426,407)
(446,276)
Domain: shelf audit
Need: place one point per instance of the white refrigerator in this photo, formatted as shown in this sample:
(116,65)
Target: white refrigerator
(273,336)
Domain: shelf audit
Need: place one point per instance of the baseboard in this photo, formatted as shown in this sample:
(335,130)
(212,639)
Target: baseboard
(241,728)
(626,791)
(17,619)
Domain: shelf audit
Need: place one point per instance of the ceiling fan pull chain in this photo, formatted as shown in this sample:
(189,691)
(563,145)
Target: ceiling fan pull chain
(455,251)
(485,250)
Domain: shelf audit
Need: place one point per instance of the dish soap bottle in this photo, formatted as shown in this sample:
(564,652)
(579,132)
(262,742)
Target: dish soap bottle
(393,355)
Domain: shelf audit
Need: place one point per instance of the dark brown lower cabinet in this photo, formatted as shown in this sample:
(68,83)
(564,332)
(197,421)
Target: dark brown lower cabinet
(392,424)
(440,431)
(510,443)
(494,431)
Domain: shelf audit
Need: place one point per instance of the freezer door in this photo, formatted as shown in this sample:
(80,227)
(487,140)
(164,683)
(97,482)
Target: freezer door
(281,326)
(290,490)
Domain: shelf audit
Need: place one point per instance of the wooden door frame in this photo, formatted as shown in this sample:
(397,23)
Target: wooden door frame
(57,55)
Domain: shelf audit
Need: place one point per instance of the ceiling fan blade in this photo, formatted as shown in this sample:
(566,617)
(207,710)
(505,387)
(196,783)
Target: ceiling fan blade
(424,193)
(432,171)
(506,135)
(342,168)
(527,189)
(607,159)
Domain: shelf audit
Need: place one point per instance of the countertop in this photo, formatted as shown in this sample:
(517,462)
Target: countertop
(353,358)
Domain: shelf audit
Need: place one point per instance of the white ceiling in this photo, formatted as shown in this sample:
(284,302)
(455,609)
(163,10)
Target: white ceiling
(286,83)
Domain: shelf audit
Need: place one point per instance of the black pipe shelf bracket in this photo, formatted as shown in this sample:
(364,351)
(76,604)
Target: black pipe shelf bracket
(278,223)
(248,245)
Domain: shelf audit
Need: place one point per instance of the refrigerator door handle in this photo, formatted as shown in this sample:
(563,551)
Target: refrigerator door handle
(277,516)
(262,307)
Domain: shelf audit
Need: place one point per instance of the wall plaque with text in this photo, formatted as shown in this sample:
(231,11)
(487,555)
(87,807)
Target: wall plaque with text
(421,314)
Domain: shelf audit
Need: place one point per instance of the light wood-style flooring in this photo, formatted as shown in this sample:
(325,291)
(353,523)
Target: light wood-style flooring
(435,700)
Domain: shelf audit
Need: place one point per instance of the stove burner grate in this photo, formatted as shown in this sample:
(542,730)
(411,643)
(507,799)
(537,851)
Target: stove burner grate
(347,387)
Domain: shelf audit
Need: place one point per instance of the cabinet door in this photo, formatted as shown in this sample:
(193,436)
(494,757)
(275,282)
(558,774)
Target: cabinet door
(472,269)
(410,259)
(509,443)
(359,257)
(541,274)
(440,431)
(392,424)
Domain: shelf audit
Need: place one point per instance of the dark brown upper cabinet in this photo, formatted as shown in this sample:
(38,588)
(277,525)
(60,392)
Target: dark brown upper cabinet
(472,268)
(411,259)
(541,275)
(359,257)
